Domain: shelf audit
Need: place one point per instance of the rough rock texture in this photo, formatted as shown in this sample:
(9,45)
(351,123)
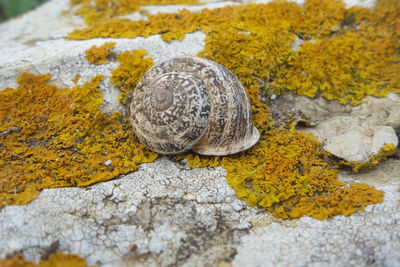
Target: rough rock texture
(371,238)
(23,50)
(353,133)
(168,214)
(164,212)
(363,131)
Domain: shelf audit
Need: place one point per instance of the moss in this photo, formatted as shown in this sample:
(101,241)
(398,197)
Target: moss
(385,151)
(98,54)
(132,66)
(346,53)
(61,139)
(55,260)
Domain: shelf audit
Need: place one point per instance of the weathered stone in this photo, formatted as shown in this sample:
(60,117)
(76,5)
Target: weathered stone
(168,214)
(164,212)
(355,133)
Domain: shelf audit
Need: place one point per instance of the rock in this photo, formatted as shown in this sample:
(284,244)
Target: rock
(168,214)
(350,145)
(351,133)
(380,111)
(342,241)
(166,209)
(352,138)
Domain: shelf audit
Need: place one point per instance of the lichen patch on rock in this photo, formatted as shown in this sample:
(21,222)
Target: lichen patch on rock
(255,42)
(60,139)
(68,129)
(164,211)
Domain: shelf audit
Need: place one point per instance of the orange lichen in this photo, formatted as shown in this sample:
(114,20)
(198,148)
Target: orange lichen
(384,152)
(132,66)
(176,25)
(98,54)
(346,68)
(55,137)
(55,260)
(319,18)
(345,55)
(76,78)
(345,201)
(96,10)
(286,174)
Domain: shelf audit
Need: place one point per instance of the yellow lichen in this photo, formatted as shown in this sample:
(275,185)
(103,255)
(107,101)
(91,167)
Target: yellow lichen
(319,18)
(345,201)
(346,68)
(384,152)
(95,10)
(286,174)
(76,78)
(98,54)
(55,260)
(132,66)
(345,55)
(55,137)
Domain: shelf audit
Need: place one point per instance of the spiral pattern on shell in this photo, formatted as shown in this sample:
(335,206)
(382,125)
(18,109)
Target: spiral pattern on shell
(192,103)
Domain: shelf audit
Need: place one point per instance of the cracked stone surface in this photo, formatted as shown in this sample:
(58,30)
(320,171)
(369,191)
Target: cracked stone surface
(369,238)
(167,214)
(362,240)
(165,211)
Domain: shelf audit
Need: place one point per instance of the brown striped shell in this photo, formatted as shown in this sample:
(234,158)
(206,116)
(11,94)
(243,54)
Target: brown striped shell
(192,103)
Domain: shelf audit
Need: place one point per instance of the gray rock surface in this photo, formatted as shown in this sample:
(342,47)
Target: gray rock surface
(168,214)
(355,133)
(164,212)
(370,238)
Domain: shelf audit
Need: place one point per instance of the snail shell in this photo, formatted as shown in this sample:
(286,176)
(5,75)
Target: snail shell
(192,103)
